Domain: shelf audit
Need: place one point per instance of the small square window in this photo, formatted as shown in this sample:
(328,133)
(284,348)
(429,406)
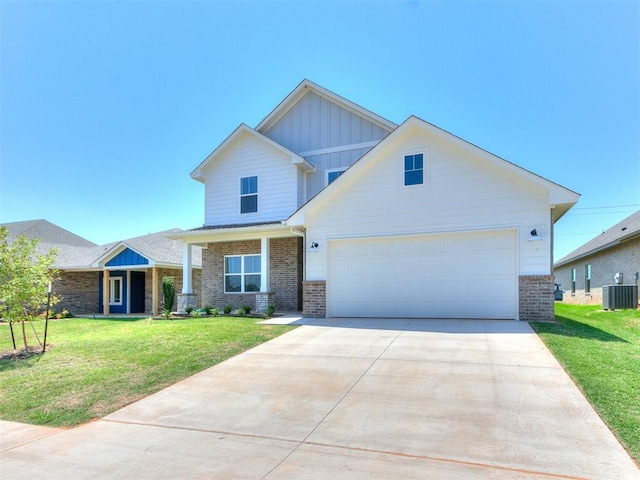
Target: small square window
(248,194)
(414,169)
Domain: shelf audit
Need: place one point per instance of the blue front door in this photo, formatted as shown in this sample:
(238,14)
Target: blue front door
(117,292)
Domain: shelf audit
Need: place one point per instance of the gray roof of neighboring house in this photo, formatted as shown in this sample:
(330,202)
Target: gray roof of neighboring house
(621,232)
(77,252)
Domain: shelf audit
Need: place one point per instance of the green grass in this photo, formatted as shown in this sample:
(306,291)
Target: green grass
(95,367)
(601,352)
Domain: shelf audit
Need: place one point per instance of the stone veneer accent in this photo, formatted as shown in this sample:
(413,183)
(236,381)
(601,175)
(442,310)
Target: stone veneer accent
(536,298)
(285,273)
(315,299)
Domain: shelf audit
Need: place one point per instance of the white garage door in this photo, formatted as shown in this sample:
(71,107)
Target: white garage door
(461,275)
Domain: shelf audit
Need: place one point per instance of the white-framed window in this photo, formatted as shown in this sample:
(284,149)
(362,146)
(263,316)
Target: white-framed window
(249,194)
(573,280)
(115,291)
(331,174)
(414,169)
(242,273)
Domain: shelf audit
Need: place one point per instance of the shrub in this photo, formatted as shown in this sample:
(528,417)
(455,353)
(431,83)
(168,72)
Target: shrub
(195,313)
(166,314)
(168,292)
(227,309)
(247,309)
(215,312)
(239,312)
(270,311)
(189,310)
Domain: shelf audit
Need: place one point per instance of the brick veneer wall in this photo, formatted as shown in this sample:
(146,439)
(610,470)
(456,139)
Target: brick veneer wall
(285,279)
(196,281)
(624,258)
(315,299)
(536,298)
(284,282)
(78,292)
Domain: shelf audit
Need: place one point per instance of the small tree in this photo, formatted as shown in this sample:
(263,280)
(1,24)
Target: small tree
(24,279)
(168,293)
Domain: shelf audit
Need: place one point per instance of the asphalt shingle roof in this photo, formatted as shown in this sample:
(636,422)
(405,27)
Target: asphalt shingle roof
(621,231)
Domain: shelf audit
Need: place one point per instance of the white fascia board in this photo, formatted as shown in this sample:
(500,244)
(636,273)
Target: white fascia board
(306,86)
(202,237)
(243,128)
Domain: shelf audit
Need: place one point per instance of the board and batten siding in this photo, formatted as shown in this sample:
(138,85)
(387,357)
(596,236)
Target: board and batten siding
(462,193)
(315,124)
(278,183)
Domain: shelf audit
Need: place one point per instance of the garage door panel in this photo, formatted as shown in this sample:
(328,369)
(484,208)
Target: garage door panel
(463,275)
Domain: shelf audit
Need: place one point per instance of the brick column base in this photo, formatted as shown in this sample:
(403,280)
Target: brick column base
(314,299)
(536,298)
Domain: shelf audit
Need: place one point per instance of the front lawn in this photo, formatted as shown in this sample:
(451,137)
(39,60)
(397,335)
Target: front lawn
(601,352)
(95,367)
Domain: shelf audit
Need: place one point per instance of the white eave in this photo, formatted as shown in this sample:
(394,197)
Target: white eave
(225,233)
(296,159)
(307,86)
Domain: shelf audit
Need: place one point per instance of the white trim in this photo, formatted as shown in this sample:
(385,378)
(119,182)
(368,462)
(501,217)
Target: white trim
(424,151)
(340,148)
(257,194)
(242,273)
(128,292)
(112,290)
(264,264)
(332,170)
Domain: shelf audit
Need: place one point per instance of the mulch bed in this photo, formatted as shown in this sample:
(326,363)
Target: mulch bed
(22,353)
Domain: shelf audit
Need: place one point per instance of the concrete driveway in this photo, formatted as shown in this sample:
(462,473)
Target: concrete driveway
(350,399)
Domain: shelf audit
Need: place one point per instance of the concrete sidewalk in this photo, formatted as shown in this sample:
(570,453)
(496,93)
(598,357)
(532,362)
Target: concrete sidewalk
(347,399)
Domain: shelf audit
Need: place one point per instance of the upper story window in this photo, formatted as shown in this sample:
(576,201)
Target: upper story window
(333,174)
(414,169)
(248,194)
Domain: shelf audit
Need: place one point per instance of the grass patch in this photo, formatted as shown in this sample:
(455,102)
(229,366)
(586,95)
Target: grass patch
(95,367)
(601,352)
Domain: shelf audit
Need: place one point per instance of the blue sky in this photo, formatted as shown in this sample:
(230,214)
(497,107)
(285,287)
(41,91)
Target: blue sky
(106,107)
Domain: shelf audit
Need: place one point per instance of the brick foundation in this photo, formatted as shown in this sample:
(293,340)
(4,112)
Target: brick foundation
(315,299)
(536,298)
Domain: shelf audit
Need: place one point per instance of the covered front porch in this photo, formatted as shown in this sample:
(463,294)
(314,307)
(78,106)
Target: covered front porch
(260,265)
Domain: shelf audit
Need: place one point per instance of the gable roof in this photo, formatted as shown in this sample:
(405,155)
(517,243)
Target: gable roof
(621,232)
(244,129)
(155,247)
(76,253)
(306,86)
(560,197)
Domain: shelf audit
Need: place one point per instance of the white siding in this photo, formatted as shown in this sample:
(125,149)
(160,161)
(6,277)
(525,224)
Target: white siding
(461,193)
(278,179)
(315,123)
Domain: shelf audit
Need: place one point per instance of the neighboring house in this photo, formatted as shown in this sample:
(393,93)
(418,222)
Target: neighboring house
(327,207)
(130,271)
(611,258)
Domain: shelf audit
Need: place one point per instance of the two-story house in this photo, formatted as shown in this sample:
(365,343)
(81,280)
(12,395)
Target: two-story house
(328,208)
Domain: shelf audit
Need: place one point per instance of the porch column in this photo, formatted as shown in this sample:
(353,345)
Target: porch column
(154,290)
(105,292)
(186,268)
(186,299)
(264,264)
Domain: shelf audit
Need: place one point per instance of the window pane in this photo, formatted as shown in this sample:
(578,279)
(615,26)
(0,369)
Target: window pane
(232,283)
(248,185)
(249,204)
(252,283)
(233,265)
(408,162)
(252,264)
(413,177)
(331,176)
(417,161)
